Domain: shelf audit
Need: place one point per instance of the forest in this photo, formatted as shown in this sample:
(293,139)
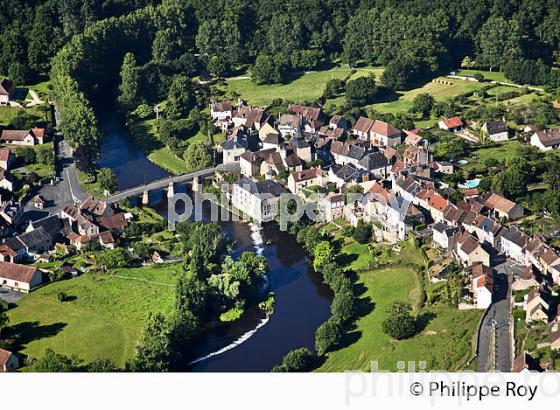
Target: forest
(81,46)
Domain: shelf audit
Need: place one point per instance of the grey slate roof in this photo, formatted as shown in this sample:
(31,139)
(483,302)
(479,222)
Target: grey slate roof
(374,160)
(268,186)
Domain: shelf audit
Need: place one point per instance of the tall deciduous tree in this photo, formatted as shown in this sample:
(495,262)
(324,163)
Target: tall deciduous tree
(498,41)
(129,87)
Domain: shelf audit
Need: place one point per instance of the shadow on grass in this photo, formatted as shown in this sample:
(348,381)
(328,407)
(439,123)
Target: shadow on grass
(423,319)
(26,332)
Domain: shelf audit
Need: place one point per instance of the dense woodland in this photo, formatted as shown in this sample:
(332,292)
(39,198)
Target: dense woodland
(82,46)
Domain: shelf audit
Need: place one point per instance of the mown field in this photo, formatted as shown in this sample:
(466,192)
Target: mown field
(304,87)
(104,319)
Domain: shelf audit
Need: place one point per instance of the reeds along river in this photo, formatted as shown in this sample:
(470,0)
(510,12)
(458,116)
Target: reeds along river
(252,343)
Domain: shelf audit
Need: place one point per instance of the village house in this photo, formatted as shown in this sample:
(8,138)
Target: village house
(546,140)
(554,339)
(415,155)
(258,200)
(469,251)
(512,244)
(8,255)
(332,206)
(308,177)
(376,163)
(453,216)
(444,167)
(486,229)
(7,89)
(250,162)
(347,153)
(6,181)
(30,244)
(361,128)
(392,216)
(6,159)
(336,127)
(340,175)
(502,208)
(384,134)
(495,130)
(30,137)
(413,139)
(250,117)
(543,257)
(536,306)
(107,240)
(311,116)
(52,224)
(236,144)
(265,130)
(273,141)
(289,125)
(38,202)
(8,361)
(437,206)
(451,124)
(221,110)
(482,285)
(19,277)
(442,234)
(527,278)
(301,148)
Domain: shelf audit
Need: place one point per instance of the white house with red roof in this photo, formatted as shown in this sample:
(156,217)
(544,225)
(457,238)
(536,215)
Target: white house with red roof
(8,361)
(19,277)
(451,124)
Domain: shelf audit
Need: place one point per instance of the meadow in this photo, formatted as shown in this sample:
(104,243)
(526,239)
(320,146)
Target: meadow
(104,317)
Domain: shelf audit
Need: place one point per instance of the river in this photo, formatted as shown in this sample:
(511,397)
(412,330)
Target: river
(302,300)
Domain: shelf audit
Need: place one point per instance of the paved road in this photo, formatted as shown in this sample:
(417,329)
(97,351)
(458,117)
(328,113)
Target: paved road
(65,192)
(499,318)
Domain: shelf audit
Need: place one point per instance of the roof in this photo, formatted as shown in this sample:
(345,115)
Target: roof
(299,143)
(6,87)
(516,236)
(35,238)
(549,137)
(116,221)
(412,138)
(453,122)
(106,237)
(19,273)
(468,243)
(385,129)
(268,186)
(356,152)
(363,124)
(94,206)
(293,160)
(307,174)
(495,127)
(52,224)
(485,280)
(4,357)
(308,112)
(498,202)
(479,269)
(438,202)
(220,106)
(275,139)
(374,160)
(252,115)
(4,154)
(14,135)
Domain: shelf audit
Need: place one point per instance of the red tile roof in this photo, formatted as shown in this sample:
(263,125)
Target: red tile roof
(19,273)
(453,122)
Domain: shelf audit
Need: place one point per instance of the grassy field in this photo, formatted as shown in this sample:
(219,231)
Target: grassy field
(7,114)
(488,75)
(437,90)
(103,321)
(501,152)
(445,344)
(305,88)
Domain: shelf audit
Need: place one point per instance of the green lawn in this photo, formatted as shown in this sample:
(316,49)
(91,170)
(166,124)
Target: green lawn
(438,90)
(7,115)
(104,321)
(166,159)
(488,75)
(501,152)
(305,88)
(445,344)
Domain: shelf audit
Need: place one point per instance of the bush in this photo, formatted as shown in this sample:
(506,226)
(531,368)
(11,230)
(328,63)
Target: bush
(362,232)
(63,297)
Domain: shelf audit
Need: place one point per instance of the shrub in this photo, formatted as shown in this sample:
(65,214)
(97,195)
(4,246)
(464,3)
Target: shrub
(362,232)
(328,336)
(400,324)
(298,360)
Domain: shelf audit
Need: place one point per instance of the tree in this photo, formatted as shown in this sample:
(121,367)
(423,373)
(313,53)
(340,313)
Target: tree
(397,74)
(362,232)
(44,154)
(53,362)
(153,352)
(400,324)
(114,258)
(269,69)
(328,335)
(343,304)
(298,360)
(107,179)
(334,88)
(423,104)
(552,175)
(129,87)
(27,154)
(3,316)
(197,157)
(181,98)
(361,91)
(498,42)
(102,366)
(322,254)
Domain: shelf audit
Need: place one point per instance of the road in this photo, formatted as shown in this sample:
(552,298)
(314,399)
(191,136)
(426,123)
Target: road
(497,325)
(65,192)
